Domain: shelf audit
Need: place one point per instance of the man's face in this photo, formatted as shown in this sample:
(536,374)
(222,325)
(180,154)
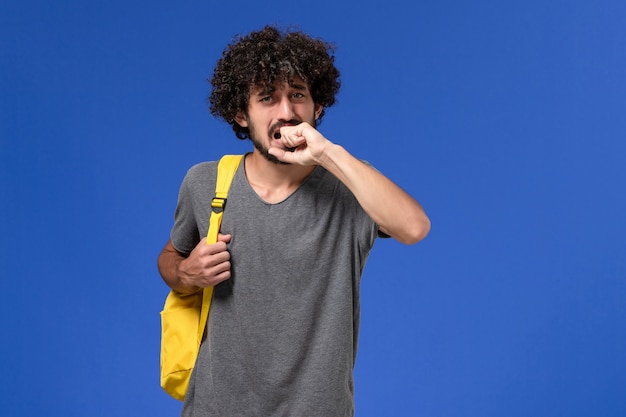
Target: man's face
(285,104)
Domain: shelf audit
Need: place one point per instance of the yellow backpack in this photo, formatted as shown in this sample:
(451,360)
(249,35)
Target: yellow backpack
(184,316)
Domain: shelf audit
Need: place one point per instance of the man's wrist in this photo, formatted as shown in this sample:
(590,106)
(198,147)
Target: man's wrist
(184,287)
(328,156)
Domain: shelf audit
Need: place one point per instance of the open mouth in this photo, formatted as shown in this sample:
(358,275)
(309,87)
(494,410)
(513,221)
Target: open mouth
(276,128)
(277,136)
(276,131)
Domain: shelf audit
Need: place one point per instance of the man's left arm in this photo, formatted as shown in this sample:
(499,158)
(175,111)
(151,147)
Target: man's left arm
(397,213)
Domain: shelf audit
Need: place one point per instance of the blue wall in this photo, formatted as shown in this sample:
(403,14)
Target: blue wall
(506,120)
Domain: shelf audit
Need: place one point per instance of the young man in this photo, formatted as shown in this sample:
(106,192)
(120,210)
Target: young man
(301,218)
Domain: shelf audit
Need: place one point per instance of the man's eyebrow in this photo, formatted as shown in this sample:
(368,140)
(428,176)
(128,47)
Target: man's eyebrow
(264,91)
(298,86)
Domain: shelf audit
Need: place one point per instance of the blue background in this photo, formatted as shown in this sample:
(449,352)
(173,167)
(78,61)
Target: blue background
(505,119)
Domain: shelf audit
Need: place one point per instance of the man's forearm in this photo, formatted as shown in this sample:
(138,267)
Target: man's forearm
(168,263)
(397,213)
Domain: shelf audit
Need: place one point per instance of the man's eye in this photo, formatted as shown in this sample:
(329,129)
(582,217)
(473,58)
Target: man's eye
(297,95)
(265,99)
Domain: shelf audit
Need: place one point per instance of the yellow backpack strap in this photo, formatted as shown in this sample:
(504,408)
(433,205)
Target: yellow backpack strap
(225,172)
(226,169)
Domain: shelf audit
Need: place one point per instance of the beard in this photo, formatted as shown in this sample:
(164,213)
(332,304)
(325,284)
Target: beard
(261,145)
(264,149)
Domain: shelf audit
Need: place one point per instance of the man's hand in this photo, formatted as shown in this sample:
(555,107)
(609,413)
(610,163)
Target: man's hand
(207,265)
(309,146)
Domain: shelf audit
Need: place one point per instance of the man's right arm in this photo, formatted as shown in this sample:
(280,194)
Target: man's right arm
(206,265)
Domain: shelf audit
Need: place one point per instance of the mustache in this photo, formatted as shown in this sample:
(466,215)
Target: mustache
(274,128)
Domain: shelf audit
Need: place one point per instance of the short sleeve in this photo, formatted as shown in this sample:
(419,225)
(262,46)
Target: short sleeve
(184,234)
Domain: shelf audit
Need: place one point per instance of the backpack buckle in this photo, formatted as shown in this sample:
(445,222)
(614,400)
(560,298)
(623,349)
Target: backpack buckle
(218,204)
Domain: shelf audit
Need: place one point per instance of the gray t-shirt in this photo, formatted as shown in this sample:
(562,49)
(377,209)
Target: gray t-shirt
(282,332)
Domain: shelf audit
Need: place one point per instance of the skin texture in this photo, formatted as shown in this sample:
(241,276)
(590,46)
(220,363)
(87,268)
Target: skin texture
(280,118)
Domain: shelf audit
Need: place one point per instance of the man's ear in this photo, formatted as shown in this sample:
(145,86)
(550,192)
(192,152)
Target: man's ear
(318,110)
(241,120)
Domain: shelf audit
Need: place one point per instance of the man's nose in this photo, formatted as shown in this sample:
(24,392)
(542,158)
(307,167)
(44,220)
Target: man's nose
(285,109)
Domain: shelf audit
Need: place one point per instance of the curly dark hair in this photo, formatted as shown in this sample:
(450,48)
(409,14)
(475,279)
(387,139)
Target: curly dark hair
(264,58)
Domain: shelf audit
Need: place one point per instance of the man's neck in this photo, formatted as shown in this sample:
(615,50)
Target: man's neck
(274,182)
